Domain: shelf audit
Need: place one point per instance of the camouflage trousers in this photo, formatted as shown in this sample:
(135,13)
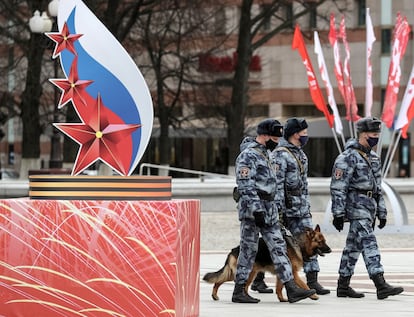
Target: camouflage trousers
(297,225)
(360,239)
(249,237)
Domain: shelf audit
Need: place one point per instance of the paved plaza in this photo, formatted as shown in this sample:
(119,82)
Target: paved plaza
(219,233)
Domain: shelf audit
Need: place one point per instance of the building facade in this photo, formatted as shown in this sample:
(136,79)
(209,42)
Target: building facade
(278,86)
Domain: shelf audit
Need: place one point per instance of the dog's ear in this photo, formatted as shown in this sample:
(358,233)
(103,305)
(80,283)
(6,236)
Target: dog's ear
(317,228)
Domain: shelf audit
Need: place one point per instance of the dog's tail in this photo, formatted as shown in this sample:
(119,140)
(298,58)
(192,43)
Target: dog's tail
(225,274)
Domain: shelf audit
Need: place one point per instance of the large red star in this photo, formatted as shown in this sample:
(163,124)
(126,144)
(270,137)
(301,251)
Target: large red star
(101,139)
(73,88)
(63,40)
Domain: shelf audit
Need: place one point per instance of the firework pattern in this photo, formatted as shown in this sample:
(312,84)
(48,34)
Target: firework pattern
(99,258)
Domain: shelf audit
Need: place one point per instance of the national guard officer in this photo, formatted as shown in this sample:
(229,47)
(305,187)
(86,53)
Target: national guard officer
(292,189)
(259,284)
(357,197)
(255,177)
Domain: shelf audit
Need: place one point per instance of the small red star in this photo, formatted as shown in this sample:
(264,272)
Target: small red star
(63,40)
(101,139)
(73,88)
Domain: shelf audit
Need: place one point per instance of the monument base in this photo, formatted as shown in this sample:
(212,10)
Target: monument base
(99,258)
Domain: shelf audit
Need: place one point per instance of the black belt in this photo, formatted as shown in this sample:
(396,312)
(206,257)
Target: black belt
(368,193)
(265,196)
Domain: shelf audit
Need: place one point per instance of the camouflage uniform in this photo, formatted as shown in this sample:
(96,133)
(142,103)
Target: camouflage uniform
(292,191)
(255,176)
(356,196)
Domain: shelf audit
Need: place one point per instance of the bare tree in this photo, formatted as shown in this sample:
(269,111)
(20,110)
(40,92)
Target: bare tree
(172,35)
(30,61)
(251,36)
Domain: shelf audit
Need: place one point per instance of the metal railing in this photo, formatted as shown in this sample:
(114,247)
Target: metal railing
(182,170)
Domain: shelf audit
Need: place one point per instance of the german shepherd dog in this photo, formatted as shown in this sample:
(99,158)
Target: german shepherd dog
(300,248)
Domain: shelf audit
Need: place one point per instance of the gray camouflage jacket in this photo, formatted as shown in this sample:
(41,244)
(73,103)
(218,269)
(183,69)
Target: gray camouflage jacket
(356,184)
(255,177)
(291,163)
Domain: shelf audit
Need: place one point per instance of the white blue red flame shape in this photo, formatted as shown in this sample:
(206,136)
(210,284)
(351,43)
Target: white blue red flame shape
(106,88)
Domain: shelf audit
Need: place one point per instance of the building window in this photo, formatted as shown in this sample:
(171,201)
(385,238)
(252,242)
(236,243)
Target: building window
(313,17)
(383,90)
(289,14)
(386,41)
(220,22)
(267,17)
(257,111)
(361,12)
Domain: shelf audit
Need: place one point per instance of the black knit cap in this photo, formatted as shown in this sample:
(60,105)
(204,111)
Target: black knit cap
(368,124)
(294,125)
(270,127)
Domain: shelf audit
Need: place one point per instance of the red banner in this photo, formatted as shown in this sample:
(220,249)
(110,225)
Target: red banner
(399,44)
(407,108)
(315,91)
(338,67)
(351,104)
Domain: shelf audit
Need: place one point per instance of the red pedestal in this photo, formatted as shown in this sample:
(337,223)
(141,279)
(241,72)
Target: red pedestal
(99,258)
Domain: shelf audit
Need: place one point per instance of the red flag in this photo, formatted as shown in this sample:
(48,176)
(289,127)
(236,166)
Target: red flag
(333,40)
(351,104)
(316,94)
(400,39)
(407,108)
(325,78)
(410,116)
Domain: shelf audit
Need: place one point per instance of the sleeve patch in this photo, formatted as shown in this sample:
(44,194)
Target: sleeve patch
(338,173)
(244,172)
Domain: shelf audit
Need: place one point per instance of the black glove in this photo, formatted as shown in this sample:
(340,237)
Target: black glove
(338,223)
(382,223)
(259,219)
(236,194)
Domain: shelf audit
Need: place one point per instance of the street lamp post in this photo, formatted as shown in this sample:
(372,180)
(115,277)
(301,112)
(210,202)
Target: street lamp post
(41,24)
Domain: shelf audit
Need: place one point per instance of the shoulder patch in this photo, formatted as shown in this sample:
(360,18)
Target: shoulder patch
(338,173)
(244,172)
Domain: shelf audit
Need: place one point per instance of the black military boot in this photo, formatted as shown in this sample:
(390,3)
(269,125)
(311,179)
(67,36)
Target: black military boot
(344,290)
(259,284)
(383,288)
(295,293)
(312,281)
(240,295)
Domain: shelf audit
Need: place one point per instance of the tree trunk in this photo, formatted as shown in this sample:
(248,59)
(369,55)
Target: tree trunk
(30,105)
(164,139)
(239,97)
(70,147)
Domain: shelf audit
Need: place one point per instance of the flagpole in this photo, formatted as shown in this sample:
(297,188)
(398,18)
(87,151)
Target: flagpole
(379,146)
(336,140)
(387,155)
(392,155)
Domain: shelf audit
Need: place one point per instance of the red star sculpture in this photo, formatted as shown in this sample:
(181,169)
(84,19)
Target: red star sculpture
(73,88)
(101,137)
(63,40)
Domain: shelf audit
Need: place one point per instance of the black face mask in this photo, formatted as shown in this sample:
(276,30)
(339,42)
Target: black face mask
(271,145)
(303,139)
(372,141)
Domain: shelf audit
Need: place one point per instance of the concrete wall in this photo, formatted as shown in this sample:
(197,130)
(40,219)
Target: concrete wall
(216,194)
